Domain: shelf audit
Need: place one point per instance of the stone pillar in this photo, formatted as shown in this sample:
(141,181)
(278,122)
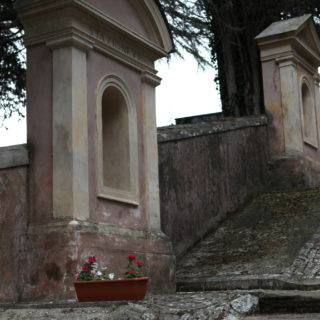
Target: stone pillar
(70,128)
(316,82)
(290,105)
(149,82)
(92,133)
(290,57)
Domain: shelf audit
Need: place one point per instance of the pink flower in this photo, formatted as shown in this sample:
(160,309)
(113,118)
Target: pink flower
(131,257)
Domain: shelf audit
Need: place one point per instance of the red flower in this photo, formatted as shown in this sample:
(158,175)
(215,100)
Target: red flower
(131,257)
(92,259)
(139,263)
(85,267)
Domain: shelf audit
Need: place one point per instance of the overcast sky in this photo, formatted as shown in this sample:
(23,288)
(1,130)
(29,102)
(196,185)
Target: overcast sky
(184,91)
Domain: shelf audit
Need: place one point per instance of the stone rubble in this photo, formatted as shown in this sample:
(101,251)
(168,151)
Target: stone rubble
(246,304)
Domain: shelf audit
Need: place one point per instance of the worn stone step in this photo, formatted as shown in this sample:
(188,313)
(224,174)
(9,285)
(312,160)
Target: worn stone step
(292,304)
(206,305)
(289,316)
(246,283)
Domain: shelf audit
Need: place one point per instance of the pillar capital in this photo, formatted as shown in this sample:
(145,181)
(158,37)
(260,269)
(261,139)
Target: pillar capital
(69,40)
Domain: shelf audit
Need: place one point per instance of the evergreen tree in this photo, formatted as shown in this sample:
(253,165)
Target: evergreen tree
(12,62)
(227,26)
(230,26)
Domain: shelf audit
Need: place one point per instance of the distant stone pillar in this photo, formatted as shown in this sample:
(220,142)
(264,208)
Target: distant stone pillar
(316,82)
(290,57)
(290,104)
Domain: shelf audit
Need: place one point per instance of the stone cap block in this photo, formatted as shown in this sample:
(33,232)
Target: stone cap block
(187,131)
(14,156)
(285,26)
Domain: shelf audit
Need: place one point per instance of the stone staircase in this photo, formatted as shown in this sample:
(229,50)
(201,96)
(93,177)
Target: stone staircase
(263,262)
(270,248)
(272,243)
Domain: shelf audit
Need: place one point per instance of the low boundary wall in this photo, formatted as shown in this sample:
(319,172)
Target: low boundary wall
(207,170)
(13,217)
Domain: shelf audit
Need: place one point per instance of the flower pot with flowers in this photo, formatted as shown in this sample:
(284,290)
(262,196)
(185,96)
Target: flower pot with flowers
(94,284)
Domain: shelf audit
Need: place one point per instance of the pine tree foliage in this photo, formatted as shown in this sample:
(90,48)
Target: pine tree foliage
(12,62)
(189,27)
(227,26)
(230,27)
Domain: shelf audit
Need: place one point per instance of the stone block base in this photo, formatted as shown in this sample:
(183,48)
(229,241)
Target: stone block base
(56,251)
(293,173)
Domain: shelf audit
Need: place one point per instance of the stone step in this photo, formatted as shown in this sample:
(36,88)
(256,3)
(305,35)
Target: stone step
(246,283)
(293,303)
(206,306)
(288,316)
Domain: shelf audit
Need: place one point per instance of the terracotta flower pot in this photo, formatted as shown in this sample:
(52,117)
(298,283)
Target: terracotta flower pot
(111,290)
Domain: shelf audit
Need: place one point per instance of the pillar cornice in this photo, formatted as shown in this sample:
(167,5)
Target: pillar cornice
(68,40)
(151,79)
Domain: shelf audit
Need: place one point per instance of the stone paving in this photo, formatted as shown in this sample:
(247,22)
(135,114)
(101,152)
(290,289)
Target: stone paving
(307,264)
(184,306)
(275,237)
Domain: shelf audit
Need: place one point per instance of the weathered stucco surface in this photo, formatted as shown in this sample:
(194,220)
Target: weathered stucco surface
(73,48)
(13,211)
(55,252)
(207,170)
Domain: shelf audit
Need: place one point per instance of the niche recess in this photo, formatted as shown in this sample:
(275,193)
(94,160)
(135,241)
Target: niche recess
(309,115)
(117,142)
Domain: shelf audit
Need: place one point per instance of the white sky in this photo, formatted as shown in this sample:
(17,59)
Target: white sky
(184,91)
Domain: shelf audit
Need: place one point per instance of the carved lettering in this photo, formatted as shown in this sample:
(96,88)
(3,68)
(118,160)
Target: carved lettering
(116,45)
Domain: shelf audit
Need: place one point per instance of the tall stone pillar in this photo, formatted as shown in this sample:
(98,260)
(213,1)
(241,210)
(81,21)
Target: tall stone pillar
(70,128)
(92,134)
(149,82)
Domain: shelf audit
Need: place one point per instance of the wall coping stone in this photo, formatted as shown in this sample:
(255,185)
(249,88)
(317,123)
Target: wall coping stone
(187,131)
(14,156)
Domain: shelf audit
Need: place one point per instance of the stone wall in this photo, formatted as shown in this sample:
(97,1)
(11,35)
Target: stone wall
(206,171)
(13,210)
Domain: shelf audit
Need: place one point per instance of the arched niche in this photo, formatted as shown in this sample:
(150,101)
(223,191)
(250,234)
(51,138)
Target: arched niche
(117,142)
(309,124)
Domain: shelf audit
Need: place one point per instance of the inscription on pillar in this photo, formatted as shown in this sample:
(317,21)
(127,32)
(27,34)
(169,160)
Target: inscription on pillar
(116,44)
